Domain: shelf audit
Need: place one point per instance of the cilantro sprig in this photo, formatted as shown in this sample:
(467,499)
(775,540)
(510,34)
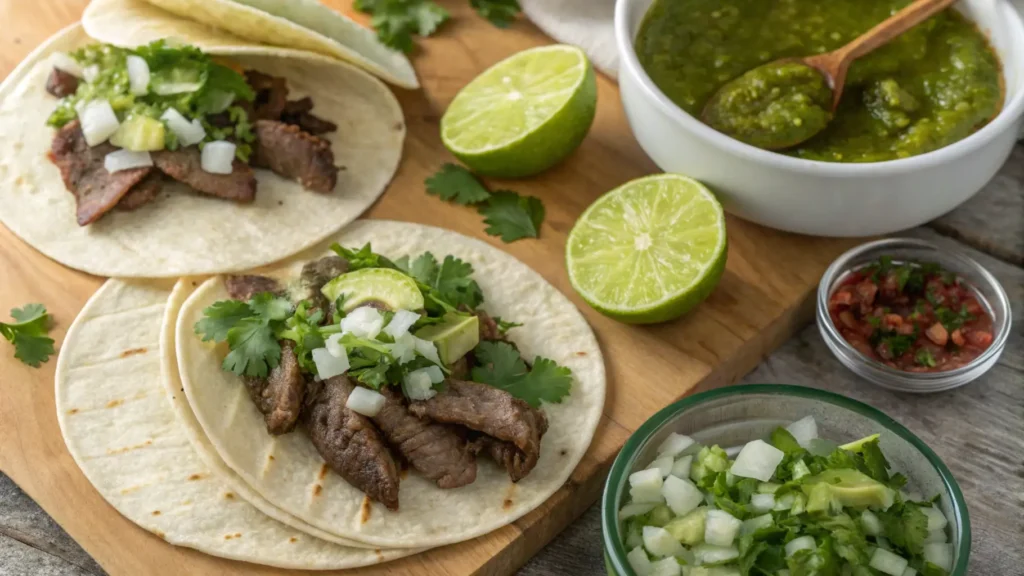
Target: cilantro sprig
(501,366)
(250,329)
(397,21)
(28,334)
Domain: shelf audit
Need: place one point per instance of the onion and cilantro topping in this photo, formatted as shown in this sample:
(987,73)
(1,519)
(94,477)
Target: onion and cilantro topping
(131,92)
(781,507)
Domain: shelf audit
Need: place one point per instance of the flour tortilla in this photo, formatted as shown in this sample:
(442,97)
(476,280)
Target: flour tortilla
(293,480)
(115,412)
(184,233)
(299,24)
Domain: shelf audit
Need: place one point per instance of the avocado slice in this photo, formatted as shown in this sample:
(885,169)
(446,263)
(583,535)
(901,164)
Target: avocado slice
(848,488)
(393,289)
(689,529)
(456,336)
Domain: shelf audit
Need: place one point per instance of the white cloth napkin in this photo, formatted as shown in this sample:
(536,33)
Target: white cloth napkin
(585,23)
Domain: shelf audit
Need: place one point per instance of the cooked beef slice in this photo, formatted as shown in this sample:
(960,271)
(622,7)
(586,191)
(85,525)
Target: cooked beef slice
(350,443)
(491,411)
(96,191)
(271,95)
(436,451)
(517,463)
(297,107)
(317,273)
(299,113)
(61,84)
(142,193)
(279,396)
(460,369)
(488,327)
(245,287)
(185,165)
(295,154)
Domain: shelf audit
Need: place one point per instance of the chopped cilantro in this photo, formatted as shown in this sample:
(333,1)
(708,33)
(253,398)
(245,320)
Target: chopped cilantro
(501,13)
(898,344)
(905,526)
(28,334)
(449,283)
(504,325)
(396,21)
(456,184)
(512,217)
(501,366)
(924,358)
(953,320)
(903,274)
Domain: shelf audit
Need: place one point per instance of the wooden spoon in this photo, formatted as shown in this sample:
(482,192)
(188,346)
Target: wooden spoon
(834,65)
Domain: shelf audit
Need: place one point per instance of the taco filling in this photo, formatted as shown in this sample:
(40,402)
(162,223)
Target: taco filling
(129,120)
(385,364)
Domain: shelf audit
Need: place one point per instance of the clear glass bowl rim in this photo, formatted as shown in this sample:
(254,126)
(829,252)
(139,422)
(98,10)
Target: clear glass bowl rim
(615,554)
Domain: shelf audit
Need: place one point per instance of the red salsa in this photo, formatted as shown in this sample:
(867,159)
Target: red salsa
(912,316)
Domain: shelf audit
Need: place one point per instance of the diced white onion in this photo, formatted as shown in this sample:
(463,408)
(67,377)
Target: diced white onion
(674,445)
(909,572)
(660,542)
(721,528)
(400,323)
(757,459)
(768,488)
(888,563)
(328,365)
(98,122)
(936,519)
(664,465)
(335,347)
(365,401)
(218,157)
(762,502)
(666,567)
(138,75)
(363,322)
(756,523)
(645,486)
(871,524)
(639,561)
(90,73)
(802,543)
(404,349)
(711,554)
(126,160)
(936,536)
(634,509)
(681,467)
(427,349)
(188,133)
(939,554)
(436,376)
(417,386)
(62,61)
(804,430)
(681,495)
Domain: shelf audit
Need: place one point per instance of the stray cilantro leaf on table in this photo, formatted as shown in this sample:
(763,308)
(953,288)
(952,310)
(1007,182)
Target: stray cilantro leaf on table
(456,184)
(501,13)
(28,334)
(512,217)
(501,366)
(397,20)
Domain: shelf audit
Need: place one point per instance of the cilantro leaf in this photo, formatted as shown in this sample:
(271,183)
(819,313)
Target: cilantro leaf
(397,20)
(511,216)
(456,184)
(501,13)
(254,349)
(924,358)
(270,307)
(905,526)
(28,334)
(875,462)
(365,257)
(784,440)
(252,330)
(456,285)
(501,366)
(505,325)
(220,318)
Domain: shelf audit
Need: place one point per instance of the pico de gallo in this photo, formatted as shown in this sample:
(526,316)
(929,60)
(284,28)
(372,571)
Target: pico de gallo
(912,316)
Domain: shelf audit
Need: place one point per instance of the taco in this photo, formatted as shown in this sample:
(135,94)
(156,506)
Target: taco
(409,387)
(161,160)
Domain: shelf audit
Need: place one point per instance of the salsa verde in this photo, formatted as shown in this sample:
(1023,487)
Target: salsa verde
(926,89)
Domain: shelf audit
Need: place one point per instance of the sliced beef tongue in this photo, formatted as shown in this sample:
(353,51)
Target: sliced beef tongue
(436,451)
(142,193)
(279,396)
(271,95)
(493,412)
(349,442)
(61,84)
(295,154)
(185,165)
(245,287)
(96,191)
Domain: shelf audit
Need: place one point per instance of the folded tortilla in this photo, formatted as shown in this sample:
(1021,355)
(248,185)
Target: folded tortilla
(288,472)
(184,233)
(126,423)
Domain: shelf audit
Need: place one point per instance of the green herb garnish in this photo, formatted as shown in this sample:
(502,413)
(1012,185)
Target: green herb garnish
(28,333)
(457,184)
(501,366)
(397,21)
(924,358)
(512,217)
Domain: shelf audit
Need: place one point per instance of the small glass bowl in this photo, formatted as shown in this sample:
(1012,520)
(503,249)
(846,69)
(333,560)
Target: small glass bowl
(985,286)
(738,414)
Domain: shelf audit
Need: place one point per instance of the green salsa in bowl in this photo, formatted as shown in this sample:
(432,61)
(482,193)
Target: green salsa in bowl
(929,88)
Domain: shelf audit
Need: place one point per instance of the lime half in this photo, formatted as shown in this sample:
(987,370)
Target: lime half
(650,250)
(524,114)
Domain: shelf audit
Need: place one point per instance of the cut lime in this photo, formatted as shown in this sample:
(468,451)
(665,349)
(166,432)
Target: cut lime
(394,290)
(524,114)
(648,251)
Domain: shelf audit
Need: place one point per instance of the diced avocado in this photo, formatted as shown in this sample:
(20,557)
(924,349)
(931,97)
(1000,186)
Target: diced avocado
(857,445)
(848,488)
(689,529)
(393,289)
(454,337)
(140,134)
(659,516)
(709,461)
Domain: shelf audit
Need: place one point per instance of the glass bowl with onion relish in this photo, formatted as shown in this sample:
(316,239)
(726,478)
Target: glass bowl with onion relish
(911,316)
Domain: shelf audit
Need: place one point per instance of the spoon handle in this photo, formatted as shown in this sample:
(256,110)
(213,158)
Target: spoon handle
(897,24)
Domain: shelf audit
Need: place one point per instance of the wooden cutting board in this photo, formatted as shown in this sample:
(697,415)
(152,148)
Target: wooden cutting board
(765,295)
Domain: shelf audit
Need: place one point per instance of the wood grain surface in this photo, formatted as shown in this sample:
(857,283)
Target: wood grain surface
(763,298)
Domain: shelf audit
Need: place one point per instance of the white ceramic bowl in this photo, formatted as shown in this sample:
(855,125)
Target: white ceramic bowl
(825,198)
